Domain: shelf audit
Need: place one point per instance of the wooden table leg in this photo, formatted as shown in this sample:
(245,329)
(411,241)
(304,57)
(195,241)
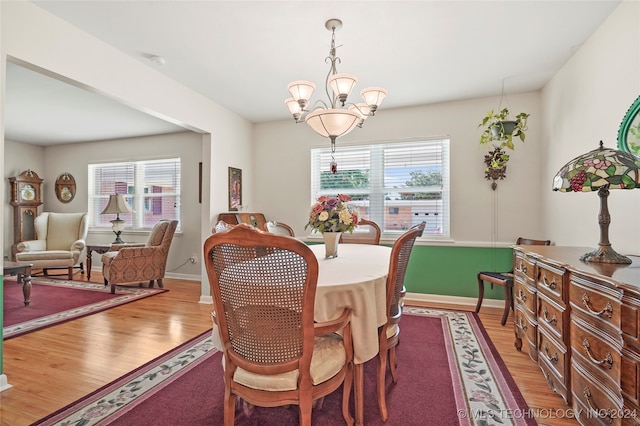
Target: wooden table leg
(358,392)
(26,284)
(89,264)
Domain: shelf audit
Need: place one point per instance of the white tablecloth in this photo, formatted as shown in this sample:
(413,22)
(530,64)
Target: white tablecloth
(356,279)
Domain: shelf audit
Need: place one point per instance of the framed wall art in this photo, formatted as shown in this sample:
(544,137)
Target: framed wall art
(235,189)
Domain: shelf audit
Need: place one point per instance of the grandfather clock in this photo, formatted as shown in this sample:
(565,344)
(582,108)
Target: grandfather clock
(26,196)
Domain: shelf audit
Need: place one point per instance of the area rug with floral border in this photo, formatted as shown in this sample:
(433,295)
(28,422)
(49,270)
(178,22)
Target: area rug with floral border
(54,301)
(449,374)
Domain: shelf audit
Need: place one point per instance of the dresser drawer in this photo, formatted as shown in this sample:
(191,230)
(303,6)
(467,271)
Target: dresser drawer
(551,281)
(526,328)
(552,317)
(553,355)
(594,404)
(597,304)
(524,265)
(597,352)
(525,295)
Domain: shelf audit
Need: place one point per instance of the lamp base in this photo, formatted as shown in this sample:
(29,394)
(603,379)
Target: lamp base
(605,254)
(118,240)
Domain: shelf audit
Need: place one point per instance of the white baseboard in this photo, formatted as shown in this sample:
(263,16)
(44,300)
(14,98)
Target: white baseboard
(207,300)
(4,384)
(452,300)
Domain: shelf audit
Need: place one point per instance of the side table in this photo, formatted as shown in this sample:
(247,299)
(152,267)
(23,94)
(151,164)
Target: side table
(98,248)
(23,273)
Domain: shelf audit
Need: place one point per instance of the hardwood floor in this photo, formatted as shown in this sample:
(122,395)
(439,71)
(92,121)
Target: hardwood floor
(53,367)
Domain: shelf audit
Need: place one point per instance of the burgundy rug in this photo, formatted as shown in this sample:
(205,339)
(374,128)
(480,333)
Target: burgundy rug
(55,301)
(449,374)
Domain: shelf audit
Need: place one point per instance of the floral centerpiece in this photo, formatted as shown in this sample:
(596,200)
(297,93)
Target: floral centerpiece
(332,214)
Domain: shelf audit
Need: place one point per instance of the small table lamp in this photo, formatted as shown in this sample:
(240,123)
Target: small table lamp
(117,204)
(601,169)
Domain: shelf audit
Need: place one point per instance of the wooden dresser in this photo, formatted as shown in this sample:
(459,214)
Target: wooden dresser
(581,323)
(234,218)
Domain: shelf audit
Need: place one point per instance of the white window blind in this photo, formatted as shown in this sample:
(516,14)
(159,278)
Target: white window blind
(396,185)
(152,189)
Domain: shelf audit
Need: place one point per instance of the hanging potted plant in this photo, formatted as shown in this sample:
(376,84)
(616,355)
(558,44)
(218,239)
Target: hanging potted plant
(499,131)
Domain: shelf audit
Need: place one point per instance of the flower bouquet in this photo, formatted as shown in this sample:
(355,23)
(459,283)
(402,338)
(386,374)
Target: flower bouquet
(331,214)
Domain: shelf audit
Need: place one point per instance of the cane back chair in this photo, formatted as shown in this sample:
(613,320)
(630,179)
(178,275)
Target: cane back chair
(263,287)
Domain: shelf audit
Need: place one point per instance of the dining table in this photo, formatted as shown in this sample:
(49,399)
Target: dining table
(355,279)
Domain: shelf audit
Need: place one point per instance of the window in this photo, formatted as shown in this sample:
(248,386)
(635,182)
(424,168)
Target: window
(152,189)
(396,185)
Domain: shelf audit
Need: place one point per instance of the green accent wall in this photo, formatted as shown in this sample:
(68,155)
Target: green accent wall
(452,271)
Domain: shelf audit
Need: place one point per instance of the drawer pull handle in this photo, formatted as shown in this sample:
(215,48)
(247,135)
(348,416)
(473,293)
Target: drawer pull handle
(522,267)
(608,360)
(553,321)
(607,311)
(552,285)
(522,326)
(522,295)
(606,413)
(554,358)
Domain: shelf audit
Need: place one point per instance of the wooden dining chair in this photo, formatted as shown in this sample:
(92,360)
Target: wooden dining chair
(420,226)
(279,228)
(389,333)
(366,232)
(263,287)
(504,279)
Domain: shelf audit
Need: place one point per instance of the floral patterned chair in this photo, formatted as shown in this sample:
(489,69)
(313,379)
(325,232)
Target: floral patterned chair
(127,263)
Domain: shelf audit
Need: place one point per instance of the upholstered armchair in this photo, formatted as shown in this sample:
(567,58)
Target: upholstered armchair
(60,242)
(131,263)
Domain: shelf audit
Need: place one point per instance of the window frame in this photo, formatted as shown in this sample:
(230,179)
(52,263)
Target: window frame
(143,202)
(377,208)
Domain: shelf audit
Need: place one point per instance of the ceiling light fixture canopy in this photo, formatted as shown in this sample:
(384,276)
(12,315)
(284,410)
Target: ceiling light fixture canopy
(336,118)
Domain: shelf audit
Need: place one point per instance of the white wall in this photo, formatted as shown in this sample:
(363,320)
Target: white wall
(584,103)
(282,164)
(74,158)
(36,39)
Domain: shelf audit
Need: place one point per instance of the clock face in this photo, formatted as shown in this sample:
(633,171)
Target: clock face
(66,194)
(28,193)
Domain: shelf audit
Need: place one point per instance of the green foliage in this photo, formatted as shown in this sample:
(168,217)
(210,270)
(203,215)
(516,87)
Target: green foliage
(494,133)
(344,179)
(419,178)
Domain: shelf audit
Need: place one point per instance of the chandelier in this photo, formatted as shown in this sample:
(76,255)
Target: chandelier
(330,119)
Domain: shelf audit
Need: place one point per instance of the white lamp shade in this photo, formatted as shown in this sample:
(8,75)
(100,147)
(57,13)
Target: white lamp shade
(361,109)
(301,89)
(293,105)
(342,83)
(373,95)
(117,204)
(332,122)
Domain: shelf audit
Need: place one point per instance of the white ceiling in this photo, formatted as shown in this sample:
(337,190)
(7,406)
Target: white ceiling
(242,55)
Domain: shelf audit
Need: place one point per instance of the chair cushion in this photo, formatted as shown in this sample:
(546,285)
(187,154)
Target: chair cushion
(328,359)
(502,276)
(44,255)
